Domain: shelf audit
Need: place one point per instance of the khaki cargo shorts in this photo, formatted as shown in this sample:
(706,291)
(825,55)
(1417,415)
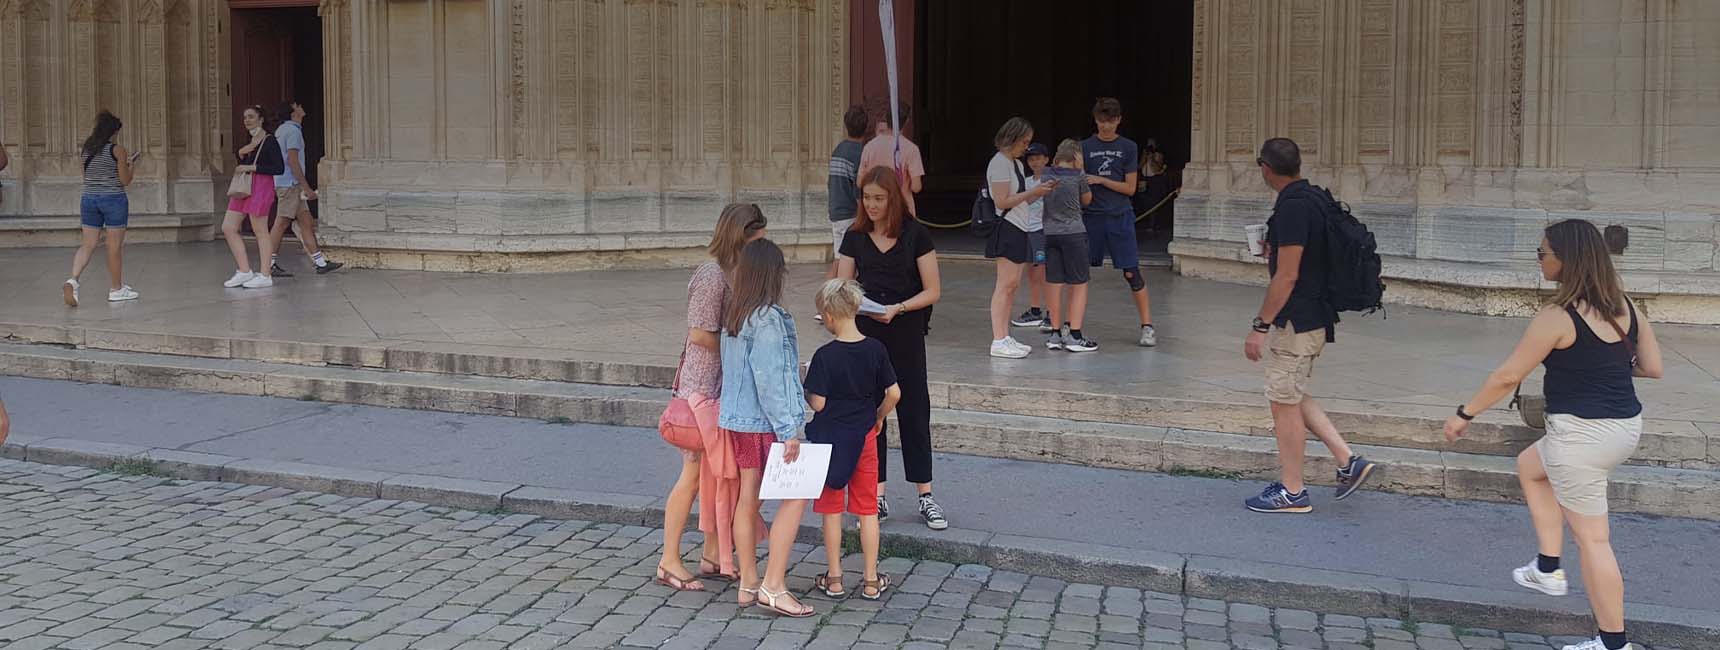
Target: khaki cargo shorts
(290,202)
(1290,362)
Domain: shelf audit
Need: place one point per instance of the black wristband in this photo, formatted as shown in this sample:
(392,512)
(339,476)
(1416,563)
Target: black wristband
(1466,417)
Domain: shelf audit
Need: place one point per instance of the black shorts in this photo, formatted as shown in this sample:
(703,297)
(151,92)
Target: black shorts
(1066,259)
(1009,242)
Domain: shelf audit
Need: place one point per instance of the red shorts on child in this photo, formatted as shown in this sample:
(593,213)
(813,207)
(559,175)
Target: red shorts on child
(862,491)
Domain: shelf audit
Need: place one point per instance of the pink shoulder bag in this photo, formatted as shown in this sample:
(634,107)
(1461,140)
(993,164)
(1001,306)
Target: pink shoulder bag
(677,424)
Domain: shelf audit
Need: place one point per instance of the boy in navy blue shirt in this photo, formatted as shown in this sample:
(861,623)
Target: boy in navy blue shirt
(1113,163)
(851,388)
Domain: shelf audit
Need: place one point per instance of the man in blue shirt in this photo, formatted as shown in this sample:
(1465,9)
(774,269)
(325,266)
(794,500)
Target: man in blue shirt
(292,191)
(1112,163)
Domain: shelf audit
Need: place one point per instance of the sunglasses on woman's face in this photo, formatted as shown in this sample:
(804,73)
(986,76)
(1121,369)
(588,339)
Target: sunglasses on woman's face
(1541,253)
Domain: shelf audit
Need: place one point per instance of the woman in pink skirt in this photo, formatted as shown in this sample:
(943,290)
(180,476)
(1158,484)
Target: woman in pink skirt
(262,157)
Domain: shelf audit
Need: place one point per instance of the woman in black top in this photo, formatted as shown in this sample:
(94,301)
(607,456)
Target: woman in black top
(1593,342)
(261,157)
(892,257)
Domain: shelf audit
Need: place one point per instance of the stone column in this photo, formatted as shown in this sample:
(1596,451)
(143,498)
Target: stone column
(155,63)
(1458,129)
(513,135)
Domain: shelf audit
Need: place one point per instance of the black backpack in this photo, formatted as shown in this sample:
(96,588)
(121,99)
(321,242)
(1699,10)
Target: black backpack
(1352,258)
(985,216)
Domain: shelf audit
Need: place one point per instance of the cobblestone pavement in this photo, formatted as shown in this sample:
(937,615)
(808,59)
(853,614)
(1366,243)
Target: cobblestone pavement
(92,559)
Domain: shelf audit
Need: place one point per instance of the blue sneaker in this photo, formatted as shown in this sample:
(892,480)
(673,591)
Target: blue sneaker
(1277,499)
(1353,474)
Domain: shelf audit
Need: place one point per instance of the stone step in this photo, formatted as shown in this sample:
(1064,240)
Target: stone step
(1665,443)
(1177,450)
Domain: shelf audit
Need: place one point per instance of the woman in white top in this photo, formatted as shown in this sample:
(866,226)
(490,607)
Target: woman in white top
(1009,244)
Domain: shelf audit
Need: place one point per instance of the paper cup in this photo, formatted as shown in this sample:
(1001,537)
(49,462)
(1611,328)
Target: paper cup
(1256,236)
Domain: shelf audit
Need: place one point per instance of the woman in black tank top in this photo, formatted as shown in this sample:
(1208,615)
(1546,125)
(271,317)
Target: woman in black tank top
(1593,342)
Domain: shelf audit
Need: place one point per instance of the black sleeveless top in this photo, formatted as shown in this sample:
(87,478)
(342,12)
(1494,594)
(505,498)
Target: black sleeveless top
(1592,378)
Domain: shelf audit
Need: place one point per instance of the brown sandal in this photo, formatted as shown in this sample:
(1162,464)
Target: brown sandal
(825,583)
(669,580)
(874,589)
(715,574)
(769,600)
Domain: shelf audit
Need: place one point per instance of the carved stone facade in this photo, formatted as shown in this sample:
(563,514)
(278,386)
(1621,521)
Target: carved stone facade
(1458,129)
(155,63)
(497,135)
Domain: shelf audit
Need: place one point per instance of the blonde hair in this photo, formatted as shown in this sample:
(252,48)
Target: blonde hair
(1069,150)
(838,298)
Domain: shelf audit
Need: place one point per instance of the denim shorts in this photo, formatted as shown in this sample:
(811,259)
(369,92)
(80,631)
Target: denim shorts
(105,210)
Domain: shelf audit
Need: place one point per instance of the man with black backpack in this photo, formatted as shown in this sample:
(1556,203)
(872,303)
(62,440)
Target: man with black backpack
(1305,246)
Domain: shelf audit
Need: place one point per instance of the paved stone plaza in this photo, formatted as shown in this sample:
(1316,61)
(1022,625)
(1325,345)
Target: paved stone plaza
(92,559)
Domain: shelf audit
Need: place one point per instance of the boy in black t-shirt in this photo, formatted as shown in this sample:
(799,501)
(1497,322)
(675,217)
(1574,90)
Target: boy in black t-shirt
(851,388)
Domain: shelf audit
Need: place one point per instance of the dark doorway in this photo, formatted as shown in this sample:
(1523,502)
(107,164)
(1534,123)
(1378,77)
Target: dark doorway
(277,57)
(979,62)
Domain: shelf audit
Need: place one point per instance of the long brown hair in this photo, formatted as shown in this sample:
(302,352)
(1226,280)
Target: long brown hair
(757,280)
(735,226)
(1586,274)
(895,210)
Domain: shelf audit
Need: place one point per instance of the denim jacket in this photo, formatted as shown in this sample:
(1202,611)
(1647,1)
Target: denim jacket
(761,377)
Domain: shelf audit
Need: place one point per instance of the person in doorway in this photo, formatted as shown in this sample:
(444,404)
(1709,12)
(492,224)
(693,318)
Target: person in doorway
(893,258)
(1292,328)
(1009,246)
(293,192)
(104,207)
(1035,316)
(851,389)
(1593,342)
(880,152)
(1066,249)
(844,179)
(762,403)
(712,474)
(261,157)
(1111,162)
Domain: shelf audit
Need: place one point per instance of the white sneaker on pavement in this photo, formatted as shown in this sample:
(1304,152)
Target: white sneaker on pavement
(69,291)
(1552,584)
(123,293)
(1007,348)
(239,279)
(1595,644)
(259,281)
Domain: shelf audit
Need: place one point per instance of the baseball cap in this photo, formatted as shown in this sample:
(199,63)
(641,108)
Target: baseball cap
(1036,149)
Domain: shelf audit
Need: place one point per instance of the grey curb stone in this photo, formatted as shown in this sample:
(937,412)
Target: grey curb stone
(303,476)
(466,494)
(1233,580)
(190,465)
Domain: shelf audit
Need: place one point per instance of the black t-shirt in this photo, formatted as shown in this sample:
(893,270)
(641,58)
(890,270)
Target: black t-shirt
(892,276)
(1297,220)
(852,378)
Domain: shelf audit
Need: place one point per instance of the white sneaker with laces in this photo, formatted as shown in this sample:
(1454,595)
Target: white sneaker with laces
(239,279)
(123,293)
(1595,644)
(1025,348)
(69,291)
(1552,584)
(1007,348)
(1149,336)
(259,281)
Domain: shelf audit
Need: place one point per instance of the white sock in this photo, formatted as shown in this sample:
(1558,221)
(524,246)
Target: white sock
(318,259)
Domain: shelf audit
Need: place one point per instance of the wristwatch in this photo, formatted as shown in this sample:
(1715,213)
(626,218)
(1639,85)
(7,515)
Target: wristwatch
(1466,417)
(1260,325)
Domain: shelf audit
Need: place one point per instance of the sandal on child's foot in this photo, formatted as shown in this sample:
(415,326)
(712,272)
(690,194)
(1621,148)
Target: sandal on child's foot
(874,589)
(831,586)
(709,570)
(678,584)
(773,601)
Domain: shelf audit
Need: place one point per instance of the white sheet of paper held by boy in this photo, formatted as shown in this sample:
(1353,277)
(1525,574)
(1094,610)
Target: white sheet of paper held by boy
(801,479)
(868,306)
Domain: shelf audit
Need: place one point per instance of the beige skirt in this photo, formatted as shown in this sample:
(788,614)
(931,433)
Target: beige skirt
(1580,454)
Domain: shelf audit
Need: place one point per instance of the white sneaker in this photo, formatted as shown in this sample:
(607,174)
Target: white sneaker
(1149,336)
(1008,348)
(259,281)
(1552,584)
(123,293)
(69,291)
(1595,644)
(239,278)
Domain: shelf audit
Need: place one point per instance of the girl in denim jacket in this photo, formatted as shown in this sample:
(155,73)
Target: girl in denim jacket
(762,402)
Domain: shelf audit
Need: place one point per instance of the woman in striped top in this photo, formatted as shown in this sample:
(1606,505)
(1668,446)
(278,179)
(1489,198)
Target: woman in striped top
(107,170)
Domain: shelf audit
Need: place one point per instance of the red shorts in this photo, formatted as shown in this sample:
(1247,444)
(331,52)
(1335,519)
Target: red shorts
(751,449)
(862,486)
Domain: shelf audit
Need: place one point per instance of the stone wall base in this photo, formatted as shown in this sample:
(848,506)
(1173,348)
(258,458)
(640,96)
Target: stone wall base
(1475,291)
(549,262)
(48,232)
